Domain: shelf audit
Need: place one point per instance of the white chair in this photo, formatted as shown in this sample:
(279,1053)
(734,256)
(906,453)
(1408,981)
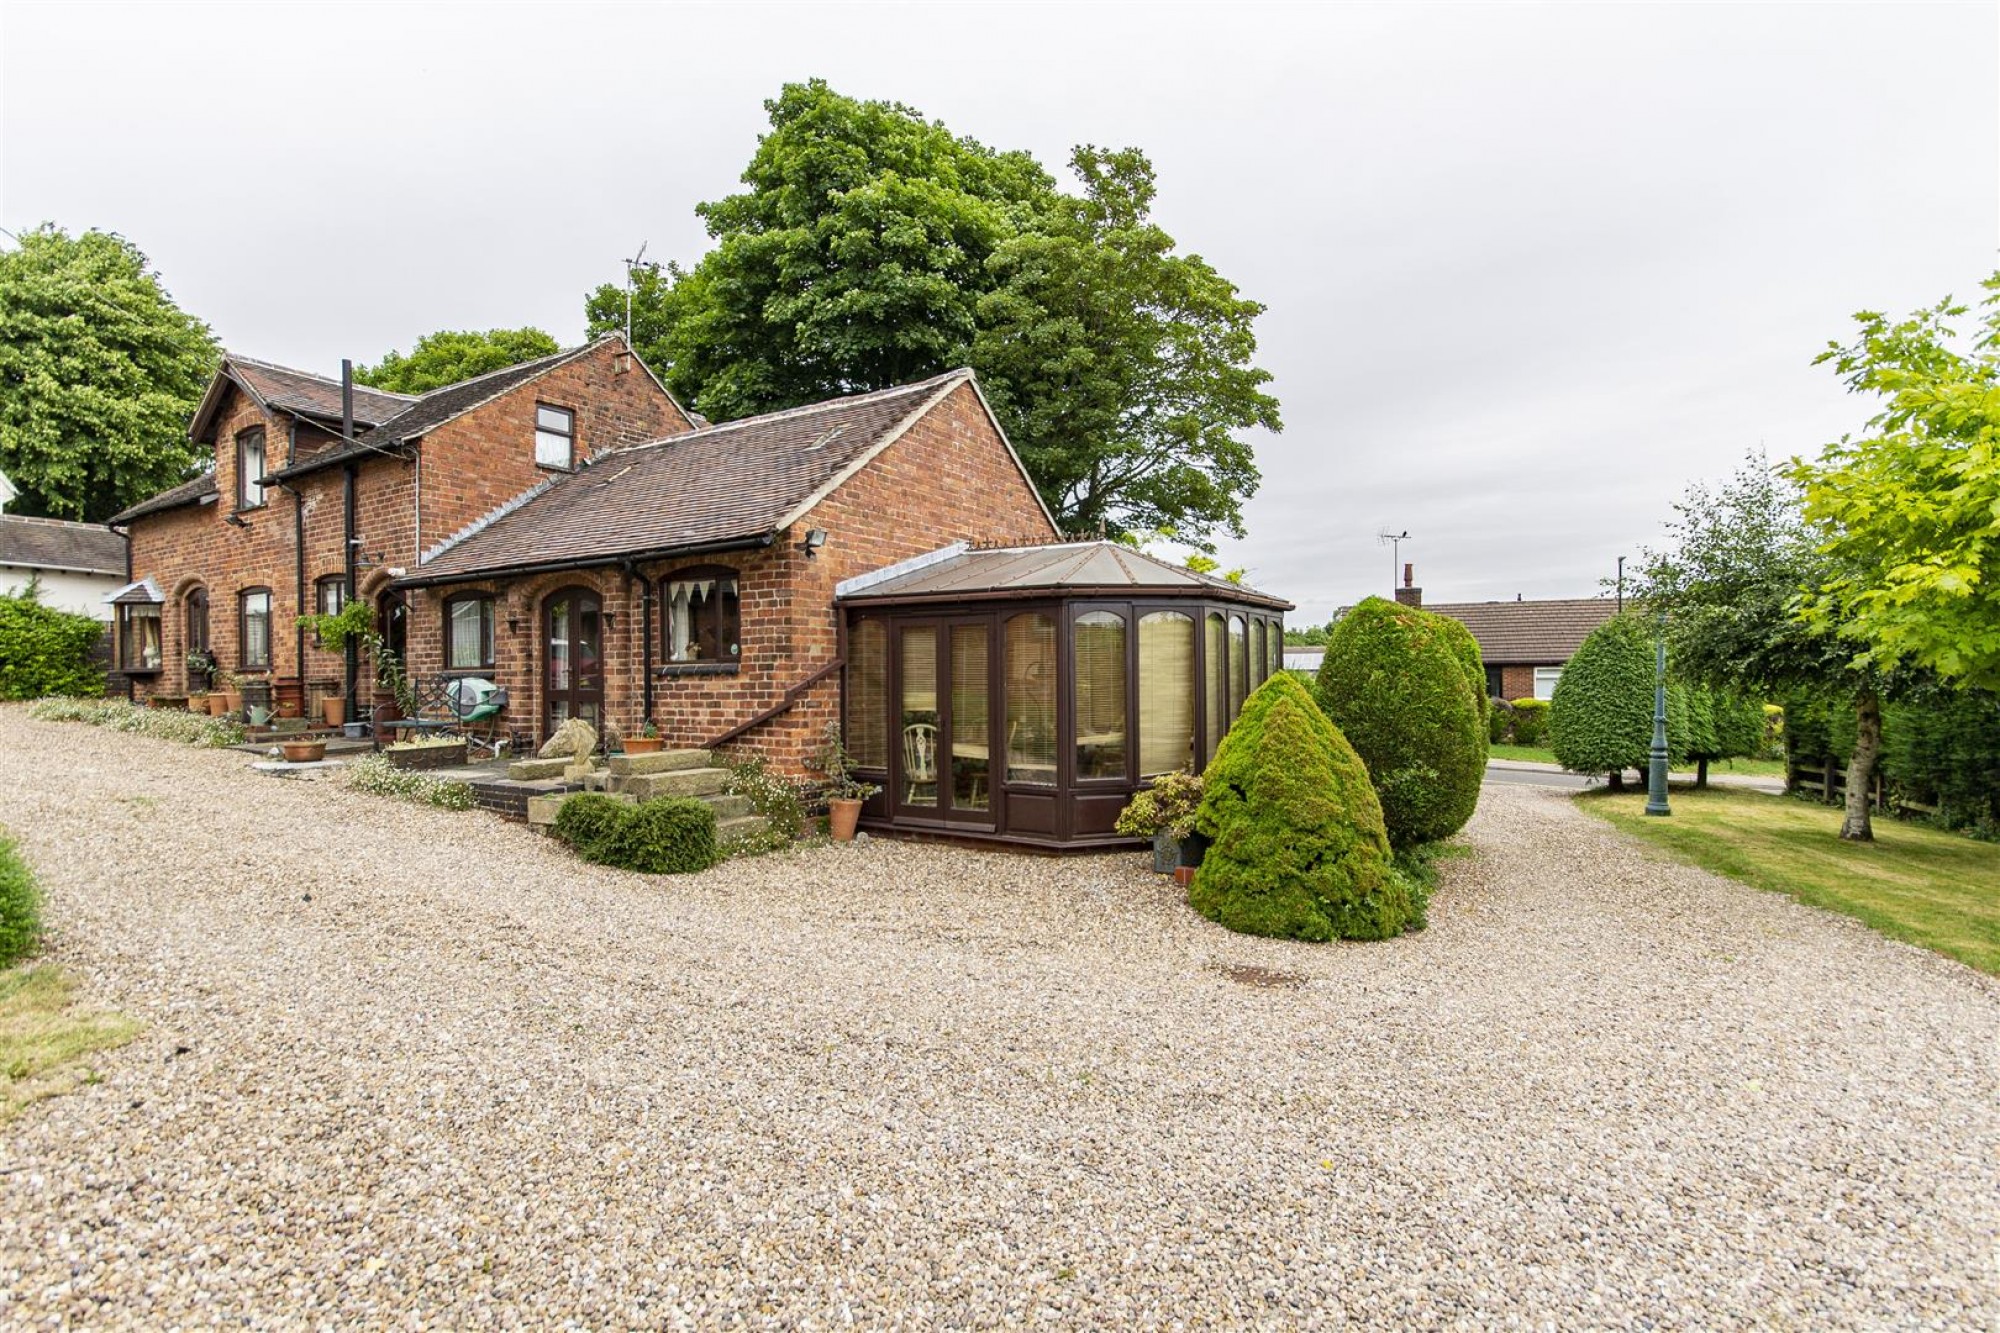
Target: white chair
(919,763)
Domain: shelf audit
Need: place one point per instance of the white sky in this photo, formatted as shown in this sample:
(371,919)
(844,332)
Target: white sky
(1530,269)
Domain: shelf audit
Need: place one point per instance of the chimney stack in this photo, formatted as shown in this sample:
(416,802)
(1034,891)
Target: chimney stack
(1409,595)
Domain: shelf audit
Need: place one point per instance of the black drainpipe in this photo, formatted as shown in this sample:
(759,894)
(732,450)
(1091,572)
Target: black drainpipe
(352,542)
(645,635)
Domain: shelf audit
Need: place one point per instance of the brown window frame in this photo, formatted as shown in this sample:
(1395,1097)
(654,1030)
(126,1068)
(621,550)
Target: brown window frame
(243,596)
(568,465)
(126,613)
(486,635)
(243,500)
(720,665)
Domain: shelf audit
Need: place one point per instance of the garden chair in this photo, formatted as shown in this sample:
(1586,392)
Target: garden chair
(919,762)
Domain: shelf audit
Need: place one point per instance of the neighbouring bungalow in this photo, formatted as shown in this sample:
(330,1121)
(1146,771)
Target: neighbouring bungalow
(74,567)
(881,559)
(1525,644)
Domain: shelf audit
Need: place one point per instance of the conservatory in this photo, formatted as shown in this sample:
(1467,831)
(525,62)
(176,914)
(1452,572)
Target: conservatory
(1023,694)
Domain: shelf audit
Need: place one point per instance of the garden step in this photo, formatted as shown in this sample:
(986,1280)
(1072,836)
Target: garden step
(729,807)
(740,827)
(660,761)
(684,782)
(536,770)
(542,809)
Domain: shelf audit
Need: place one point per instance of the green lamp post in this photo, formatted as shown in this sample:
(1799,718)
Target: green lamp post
(1656,767)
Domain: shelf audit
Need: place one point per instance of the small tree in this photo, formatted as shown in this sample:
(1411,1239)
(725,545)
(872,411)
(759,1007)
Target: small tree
(1601,718)
(1396,683)
(1296,843)
(448,356)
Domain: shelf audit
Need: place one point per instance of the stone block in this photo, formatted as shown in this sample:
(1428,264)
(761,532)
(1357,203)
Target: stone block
(536,770)
(683,782)
(660,761)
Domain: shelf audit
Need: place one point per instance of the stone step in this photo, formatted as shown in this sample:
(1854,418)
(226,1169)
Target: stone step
(729,807)
(740,827)
(681,782)
(660,761)
(536,770)
(542,809)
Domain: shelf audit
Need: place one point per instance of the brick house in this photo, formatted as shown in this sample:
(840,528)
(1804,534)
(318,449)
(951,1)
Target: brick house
(864,560)
(293,517)
(1525,644)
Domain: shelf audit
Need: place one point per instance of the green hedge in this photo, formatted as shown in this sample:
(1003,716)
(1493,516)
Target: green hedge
(1531,721)
(44,651)
(669,835)
(1396,684)
(1296,846)
(20,906)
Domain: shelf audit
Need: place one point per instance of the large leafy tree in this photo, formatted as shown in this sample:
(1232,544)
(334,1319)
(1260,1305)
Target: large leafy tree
(1739,557)
(448,356)
(1910,511)
(1121,369)
(99,373)
(874,247)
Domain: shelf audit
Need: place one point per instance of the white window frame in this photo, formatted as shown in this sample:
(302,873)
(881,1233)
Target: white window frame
(1545,681)
(250,489)
(549,438)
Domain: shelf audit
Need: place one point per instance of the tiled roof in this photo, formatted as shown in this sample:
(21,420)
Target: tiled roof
(1067,567)
(1542,633)
(187,493)
(734,482)
(52,543)
(314,395)
(420,415)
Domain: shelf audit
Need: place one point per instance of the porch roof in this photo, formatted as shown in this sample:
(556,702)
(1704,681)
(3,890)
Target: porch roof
(1068,569)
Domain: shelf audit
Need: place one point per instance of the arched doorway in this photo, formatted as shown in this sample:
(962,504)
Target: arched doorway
(195,634)
(573,629)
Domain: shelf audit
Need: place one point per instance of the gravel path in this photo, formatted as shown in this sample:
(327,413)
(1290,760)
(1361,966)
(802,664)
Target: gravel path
(405,1066)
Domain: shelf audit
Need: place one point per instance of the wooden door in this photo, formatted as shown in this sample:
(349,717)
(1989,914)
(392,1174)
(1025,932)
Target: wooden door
(573,624)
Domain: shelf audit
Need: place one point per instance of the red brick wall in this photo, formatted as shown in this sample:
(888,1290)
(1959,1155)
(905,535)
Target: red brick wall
(478,462)
(468,466)
(1518,682)
(948,478)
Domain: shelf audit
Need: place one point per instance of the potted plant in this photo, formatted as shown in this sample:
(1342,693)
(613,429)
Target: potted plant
(333,709)
(303,751)
(1165,813)
(426,752)
(646,742)
(197,702)
(230,699)
(844,792)
(201,668)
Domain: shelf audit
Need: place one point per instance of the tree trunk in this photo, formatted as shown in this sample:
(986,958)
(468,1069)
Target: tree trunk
(1857,826)
(1617,779)
(1701,772)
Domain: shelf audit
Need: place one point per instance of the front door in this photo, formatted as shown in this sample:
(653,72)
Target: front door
(574,631)
(942,763)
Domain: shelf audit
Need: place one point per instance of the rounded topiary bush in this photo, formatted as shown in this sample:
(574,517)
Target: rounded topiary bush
(1395,684)
(668,835)
(1531,721)
(1296,846)
(1601,718)
(587,821)
(1466,649)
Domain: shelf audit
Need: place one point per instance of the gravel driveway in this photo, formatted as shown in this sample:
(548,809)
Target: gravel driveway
(403,1065)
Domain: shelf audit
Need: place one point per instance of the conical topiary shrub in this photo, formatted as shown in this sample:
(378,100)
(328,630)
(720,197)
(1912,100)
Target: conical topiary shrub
(1601,717)
(1396,682)
(1296,844)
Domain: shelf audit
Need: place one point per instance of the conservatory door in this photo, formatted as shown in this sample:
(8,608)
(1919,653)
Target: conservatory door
(575,626)
(941,751)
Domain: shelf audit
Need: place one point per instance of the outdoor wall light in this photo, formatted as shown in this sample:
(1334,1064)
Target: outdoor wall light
(234,520)
(815,538)
(513,624)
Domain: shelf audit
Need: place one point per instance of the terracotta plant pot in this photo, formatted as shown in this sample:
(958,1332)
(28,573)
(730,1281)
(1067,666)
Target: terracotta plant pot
(841,817)
(303,752)
(232,702)
(218,704)
(644,744)
(333,711)
(198,703)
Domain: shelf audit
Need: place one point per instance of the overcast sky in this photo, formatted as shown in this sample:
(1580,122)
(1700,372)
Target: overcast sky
(1530,269)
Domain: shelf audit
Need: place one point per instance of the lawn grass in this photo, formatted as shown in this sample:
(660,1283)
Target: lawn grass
(1531,754)
(45,1036)
(1934,889)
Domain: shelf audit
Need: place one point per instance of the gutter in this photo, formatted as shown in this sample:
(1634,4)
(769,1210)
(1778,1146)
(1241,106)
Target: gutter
(590,562)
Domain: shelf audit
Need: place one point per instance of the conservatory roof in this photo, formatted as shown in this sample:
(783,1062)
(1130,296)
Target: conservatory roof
(1067,569)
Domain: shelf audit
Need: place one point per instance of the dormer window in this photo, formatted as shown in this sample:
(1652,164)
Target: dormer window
(555,436)
(250,469)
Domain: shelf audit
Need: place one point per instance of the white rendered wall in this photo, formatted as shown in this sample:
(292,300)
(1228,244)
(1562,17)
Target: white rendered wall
(80,593)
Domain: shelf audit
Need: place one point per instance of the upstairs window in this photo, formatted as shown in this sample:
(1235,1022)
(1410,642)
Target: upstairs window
(703,617)
(555,436)
(254,629)
(468,632)
(331,594)
(139,636)
(250,469)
